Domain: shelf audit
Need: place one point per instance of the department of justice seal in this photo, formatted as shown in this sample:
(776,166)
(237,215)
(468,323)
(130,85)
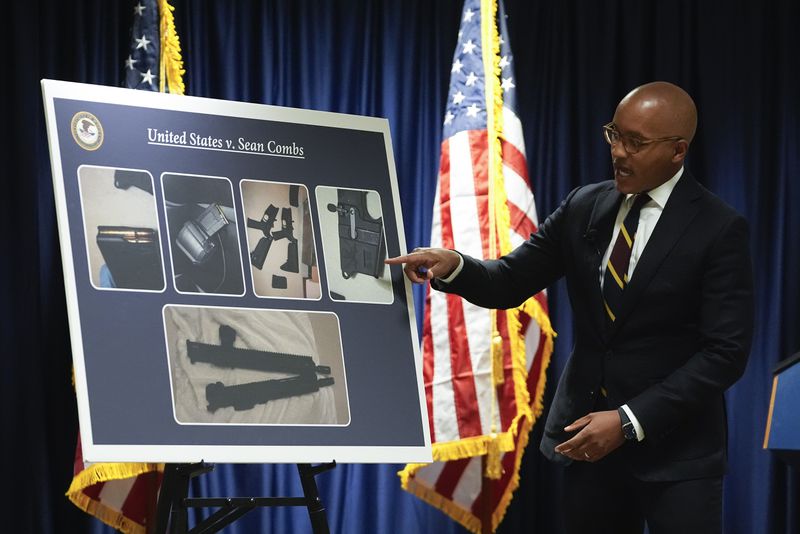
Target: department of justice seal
(87,130)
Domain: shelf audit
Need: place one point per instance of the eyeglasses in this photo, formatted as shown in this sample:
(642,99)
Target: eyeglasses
(632,145)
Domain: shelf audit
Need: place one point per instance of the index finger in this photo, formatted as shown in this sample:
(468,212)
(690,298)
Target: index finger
(397,260)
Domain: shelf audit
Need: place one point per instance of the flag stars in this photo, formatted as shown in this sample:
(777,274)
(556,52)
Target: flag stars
(471,79)
(147,77)
(472,110)
(448,117)
(457,66)
(458,98)
(468,14)
(142,43)
(138,8)
(468,47)
(507,84)
(130,62)
(504,62)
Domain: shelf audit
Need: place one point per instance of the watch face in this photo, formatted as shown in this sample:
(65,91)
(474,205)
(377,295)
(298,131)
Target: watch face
(628,431)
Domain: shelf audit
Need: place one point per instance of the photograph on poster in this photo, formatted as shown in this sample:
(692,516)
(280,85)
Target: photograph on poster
(120,222)
(203,238)
(280,240)
(354,244)
(257,367)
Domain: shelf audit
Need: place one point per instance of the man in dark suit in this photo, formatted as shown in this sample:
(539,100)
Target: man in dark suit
(659,278)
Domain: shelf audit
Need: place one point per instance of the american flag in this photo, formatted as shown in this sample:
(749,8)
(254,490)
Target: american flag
(142,65)
(483,370)
(124,495)
(154,62)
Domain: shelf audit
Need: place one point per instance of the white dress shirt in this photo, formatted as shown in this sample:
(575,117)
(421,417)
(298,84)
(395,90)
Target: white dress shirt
(648,218)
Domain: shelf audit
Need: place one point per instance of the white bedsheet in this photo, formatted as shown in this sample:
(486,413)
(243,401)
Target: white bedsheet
(288,332)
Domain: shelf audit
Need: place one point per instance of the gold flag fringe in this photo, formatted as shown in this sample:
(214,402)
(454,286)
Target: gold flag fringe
(105,472)
(171,69)
(494,128)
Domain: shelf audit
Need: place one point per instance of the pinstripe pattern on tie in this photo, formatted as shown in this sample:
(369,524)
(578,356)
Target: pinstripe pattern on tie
(616,277)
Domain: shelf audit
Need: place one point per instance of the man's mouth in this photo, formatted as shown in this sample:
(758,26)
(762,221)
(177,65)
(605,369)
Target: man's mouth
(622,171)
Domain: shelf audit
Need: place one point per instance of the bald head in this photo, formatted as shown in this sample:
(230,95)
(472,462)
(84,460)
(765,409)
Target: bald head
(670,109)
(662,118)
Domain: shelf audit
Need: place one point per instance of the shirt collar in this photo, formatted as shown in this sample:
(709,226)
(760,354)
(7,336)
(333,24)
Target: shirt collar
(660,194)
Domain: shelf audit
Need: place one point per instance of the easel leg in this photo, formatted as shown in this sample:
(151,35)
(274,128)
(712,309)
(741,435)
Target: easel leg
(165,498)
(173,501)
(179,515)
(171,511)
(316,511)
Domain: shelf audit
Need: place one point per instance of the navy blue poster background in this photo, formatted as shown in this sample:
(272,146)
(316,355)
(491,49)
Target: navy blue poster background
(123,333)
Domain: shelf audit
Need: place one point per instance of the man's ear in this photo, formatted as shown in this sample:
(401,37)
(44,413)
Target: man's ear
(680,149)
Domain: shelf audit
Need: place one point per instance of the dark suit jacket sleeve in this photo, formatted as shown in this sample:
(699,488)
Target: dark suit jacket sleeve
(508,281)
(724,329)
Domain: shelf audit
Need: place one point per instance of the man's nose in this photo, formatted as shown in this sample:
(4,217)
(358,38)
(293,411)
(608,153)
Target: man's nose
(618,150)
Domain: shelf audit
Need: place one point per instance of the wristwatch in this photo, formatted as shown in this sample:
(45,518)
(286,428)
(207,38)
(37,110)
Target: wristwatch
(627,426)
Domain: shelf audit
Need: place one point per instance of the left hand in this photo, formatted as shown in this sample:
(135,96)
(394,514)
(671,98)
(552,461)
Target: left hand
(600,433)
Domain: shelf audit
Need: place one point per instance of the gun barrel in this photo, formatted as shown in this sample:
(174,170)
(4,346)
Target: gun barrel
(257,360)
(246,396)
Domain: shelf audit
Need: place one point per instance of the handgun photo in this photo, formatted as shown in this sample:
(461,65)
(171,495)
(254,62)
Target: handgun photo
(362,248)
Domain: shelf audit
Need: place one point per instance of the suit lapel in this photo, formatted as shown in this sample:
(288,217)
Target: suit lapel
(677,214)
(601,224)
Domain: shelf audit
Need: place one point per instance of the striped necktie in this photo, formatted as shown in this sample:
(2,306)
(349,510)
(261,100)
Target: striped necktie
(616,277)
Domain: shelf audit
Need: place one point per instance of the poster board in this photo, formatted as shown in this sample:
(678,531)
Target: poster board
(226,292)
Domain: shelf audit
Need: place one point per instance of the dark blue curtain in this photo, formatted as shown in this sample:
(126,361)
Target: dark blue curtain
(575,60)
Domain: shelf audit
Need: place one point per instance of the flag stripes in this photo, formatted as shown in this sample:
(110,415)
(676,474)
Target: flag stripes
(483,370)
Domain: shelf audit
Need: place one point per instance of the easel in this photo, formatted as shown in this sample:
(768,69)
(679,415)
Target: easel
(173,502)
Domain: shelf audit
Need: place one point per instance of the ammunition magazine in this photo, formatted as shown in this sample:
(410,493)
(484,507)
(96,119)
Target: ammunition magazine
(132,256)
